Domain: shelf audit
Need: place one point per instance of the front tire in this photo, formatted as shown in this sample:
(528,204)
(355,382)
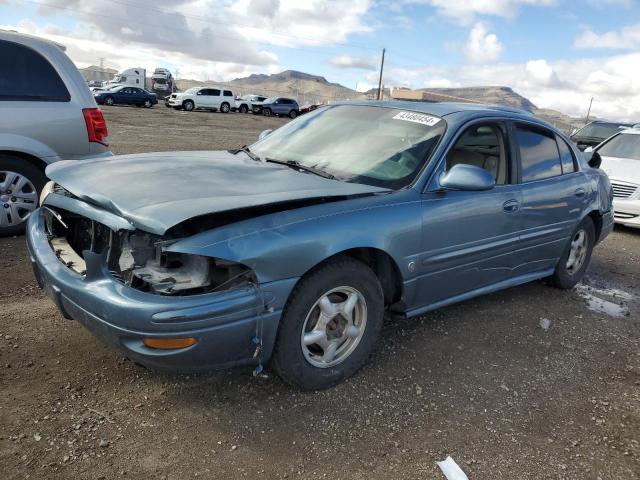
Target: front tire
(20,185)
(576,257)
(189,106)
(148,104)
(267,112)
(109,101)
(293,114)
(329,325)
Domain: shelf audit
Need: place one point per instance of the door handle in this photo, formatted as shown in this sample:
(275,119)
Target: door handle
(511,206)
(581,192)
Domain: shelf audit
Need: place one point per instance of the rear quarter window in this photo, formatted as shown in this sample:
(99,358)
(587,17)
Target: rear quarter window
(27,76)
(566,156)
(539,154)
(228,93)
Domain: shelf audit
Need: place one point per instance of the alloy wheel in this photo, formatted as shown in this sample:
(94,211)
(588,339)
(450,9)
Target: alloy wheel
(578,252)
(18,198)
(334,327)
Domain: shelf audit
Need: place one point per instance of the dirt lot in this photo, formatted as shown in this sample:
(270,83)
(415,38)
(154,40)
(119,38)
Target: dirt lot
(481,381)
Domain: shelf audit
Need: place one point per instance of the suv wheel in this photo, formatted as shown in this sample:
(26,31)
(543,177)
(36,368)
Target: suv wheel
(329,325)
(243,108)
(109,101)
(267,112)
(293,114)
(188,105)
(20,187)
(224,108)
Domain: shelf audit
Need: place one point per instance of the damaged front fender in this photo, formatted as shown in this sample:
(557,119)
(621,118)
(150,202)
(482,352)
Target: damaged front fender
(288,244)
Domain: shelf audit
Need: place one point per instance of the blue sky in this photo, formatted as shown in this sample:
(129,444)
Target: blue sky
(559,53)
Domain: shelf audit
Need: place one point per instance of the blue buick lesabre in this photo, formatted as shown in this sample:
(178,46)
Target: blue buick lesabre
(289,252)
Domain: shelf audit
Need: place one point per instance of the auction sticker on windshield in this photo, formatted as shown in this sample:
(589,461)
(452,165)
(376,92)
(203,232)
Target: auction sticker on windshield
(417,118)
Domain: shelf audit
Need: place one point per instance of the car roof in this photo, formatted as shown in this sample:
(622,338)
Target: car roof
(26,39)
(630,131)
(442,108)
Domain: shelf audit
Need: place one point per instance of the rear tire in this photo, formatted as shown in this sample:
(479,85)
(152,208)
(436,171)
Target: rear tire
(243,109)
(225,107)
(188,105)
(306,333)
(19,194)
(576,257)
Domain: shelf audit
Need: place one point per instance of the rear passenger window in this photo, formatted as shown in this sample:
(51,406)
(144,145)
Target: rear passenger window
(228,93)
(215,92)
(539,154)
(27,75)
(566,156)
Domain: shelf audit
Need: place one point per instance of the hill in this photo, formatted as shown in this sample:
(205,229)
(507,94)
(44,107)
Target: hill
(303,86)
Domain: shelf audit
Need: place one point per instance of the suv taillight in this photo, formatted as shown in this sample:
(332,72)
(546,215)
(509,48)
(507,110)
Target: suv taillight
(96,126)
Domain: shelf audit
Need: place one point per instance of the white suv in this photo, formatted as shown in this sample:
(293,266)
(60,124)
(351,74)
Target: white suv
(207,98)
(47,113)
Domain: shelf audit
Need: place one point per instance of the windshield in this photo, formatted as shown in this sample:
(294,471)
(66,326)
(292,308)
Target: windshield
(192,90)
(378,146)
(270,99)
(599,130)
(622,146)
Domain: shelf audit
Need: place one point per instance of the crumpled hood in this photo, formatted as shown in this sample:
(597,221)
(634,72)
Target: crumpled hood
(623,169)
(156,191)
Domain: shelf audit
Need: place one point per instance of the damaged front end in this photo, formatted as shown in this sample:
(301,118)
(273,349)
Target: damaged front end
(137,259)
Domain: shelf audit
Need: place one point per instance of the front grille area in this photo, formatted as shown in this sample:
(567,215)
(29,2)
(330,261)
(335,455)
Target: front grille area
(621,190)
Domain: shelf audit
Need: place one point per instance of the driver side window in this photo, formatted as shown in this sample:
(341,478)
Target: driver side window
(483,146)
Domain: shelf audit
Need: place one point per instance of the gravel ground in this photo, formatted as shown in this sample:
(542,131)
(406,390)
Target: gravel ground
(528,383)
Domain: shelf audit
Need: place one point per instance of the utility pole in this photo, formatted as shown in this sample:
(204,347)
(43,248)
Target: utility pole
(380,79)
(589,111)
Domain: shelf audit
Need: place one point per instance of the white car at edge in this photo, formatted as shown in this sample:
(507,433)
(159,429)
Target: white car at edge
(621,161)
(206,98)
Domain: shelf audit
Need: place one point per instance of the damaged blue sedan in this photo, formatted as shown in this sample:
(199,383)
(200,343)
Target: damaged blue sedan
(290,251)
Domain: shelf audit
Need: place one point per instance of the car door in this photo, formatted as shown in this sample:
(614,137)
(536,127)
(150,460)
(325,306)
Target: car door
(215,98)
(137,96)
(123,95)
(203,98)
(554,196)
(469,237)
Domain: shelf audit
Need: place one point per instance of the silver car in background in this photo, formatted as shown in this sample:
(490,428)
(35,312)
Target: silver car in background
(48,114)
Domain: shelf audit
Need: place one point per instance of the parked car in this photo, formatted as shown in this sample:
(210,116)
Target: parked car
(292,250)
(206,98)
(596,132)
(245,103)
(46,113)
(621,161)
(278,106)
(124,95)
(309,107)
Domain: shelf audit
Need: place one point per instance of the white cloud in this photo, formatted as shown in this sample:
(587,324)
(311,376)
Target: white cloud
(297,23)
(358,63)
(466,11)
(628,38)
(482,46)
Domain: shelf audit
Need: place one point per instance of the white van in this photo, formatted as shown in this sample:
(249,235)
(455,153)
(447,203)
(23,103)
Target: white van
(207,98)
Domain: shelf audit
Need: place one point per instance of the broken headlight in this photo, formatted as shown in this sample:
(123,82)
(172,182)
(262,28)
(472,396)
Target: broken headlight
(145,264)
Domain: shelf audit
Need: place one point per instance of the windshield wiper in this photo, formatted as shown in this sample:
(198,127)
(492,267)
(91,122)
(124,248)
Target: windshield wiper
(246,150)
(298,166)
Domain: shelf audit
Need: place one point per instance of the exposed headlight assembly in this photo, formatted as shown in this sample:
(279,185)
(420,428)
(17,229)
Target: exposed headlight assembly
(146,265)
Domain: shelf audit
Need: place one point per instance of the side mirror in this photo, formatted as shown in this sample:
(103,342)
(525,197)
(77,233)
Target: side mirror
(595,161)
(467,177)
(264,133)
